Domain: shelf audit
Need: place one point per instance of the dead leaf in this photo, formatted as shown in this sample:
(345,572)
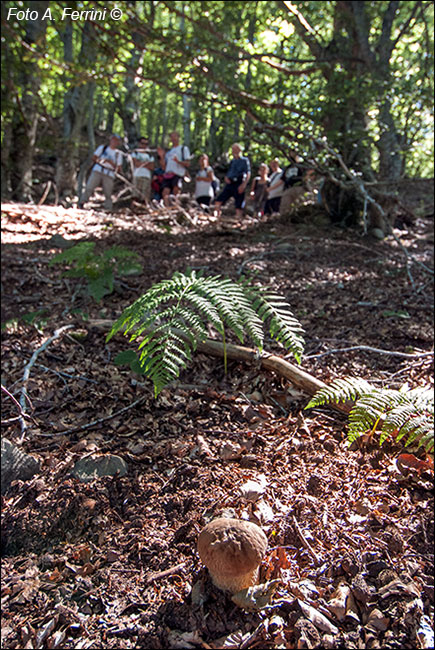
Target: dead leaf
(337,605)
(263,512)
(377,621)
(230,451)
(317,619)
(45,631)
(253,490)
(408,461)
(56,576)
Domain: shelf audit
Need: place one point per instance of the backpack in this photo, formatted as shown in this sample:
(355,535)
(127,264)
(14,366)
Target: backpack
(157,182)
(91,164)
(292,175)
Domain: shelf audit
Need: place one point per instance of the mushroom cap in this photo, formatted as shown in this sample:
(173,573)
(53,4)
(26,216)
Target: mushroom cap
(232,550)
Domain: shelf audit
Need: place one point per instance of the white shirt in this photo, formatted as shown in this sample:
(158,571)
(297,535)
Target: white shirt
(182,153)
(203,187)
(143,172)
(277,191)
(109,154)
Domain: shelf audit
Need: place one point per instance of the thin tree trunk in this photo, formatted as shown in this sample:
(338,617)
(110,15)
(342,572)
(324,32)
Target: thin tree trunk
(73,113)
(25,117)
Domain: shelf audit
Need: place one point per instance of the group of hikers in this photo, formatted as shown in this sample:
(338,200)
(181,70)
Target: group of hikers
(160,176)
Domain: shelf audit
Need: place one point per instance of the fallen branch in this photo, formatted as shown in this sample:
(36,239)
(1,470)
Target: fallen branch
(294,374)
(26,375)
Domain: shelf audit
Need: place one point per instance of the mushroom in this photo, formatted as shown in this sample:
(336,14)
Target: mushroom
(232,550)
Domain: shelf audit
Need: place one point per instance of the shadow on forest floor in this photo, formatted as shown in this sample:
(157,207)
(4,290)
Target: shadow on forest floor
(113,563)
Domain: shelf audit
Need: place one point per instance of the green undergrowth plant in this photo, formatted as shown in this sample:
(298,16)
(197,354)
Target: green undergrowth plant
(405,415)
(99,269)
(37,319)
(173,316)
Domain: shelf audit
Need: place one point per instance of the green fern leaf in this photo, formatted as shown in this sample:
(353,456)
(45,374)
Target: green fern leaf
(340,392)
(81,252)
(402,414)
(172,316)
(283,326)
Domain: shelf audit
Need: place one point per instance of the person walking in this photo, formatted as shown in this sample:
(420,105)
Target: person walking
(108,160)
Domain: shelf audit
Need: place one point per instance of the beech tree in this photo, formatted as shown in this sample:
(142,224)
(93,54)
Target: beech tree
(20,92)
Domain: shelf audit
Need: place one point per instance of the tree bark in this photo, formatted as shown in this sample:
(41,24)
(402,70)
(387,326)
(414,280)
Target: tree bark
(74,112)
(25,116)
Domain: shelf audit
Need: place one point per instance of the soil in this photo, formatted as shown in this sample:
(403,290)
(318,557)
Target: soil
(112,563)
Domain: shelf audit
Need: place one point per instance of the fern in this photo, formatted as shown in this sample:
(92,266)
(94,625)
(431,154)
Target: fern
(173,317)
(98,269)
(406,415)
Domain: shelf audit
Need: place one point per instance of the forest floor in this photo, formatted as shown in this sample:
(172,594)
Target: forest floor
(112,563)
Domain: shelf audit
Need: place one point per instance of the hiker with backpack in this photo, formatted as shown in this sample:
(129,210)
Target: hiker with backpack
(236,180)
(176,163)
(275,188)
(108,160)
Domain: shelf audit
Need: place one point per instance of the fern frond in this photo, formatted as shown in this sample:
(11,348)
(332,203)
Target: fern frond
(81,252)
(410,424)
(172,317)
(340,392)
(283,326)
(402,414)
(222,295)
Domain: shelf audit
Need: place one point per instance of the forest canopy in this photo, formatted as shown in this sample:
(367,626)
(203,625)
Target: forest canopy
(346,84)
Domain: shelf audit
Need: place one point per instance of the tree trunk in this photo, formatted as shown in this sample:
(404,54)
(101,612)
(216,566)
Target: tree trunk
(5,160)
(25,117)
(388,145)
(74,111)
(186,119)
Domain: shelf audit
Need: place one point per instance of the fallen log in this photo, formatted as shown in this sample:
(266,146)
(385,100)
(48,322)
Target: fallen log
(297,376)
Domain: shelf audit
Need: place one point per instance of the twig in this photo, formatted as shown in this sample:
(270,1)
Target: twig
(18,417)
(94,423)
(5,390)
(163,574)
(304,541)
(61,373)
(6,423)
(45,194)
(27,370)
(368,348)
